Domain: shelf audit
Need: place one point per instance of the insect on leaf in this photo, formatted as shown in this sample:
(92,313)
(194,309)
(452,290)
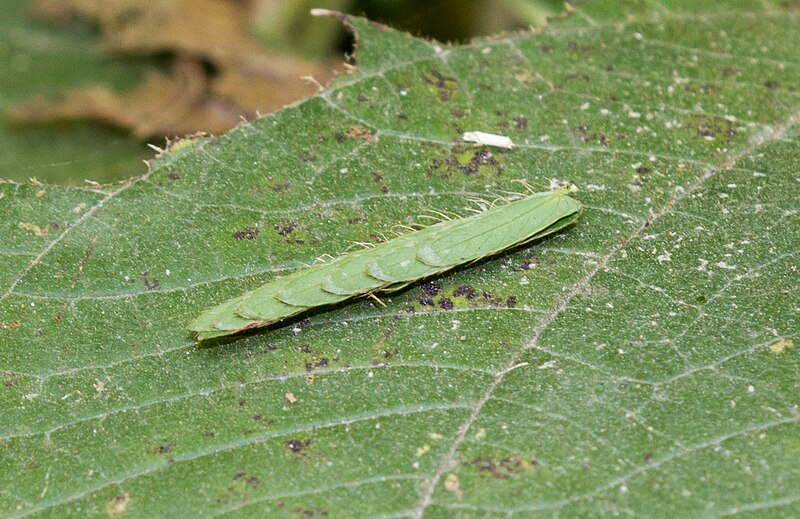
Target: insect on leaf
(393,264)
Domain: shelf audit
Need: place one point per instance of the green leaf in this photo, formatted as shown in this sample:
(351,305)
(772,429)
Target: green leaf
(644,361)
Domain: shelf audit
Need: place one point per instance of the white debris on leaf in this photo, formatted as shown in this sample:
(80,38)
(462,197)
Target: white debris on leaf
(489,139)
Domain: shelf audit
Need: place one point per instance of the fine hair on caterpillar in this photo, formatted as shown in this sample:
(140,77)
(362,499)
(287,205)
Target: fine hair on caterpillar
(503,223)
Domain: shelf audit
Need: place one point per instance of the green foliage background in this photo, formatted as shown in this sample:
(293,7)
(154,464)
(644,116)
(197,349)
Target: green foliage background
(643,362)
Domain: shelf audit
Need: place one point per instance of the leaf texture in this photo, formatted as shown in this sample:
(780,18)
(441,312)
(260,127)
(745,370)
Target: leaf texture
(645,363)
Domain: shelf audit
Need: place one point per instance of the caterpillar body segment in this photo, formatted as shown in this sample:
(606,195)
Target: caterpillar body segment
(393,264)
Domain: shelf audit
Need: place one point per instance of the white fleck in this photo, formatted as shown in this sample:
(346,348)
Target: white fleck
(168,272)
(638,36)
(30,396)
(403,93)
(703,263)
(623,489)
(377,425)
(605,111)
(585,106)
(667,256)
(343,170)
(751,389)
(547,365)
(488,139)
(370,374)
(524,280)
(486,50)
(455,325)
(725,266)
(33,304)
(610,305)
(634,115)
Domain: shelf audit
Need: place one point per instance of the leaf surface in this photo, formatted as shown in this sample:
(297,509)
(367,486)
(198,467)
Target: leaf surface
(642,362)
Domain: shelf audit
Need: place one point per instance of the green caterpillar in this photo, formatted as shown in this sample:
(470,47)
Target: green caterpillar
(393,264)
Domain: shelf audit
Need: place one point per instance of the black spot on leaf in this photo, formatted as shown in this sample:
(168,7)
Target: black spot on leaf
(248,233)
(296,446)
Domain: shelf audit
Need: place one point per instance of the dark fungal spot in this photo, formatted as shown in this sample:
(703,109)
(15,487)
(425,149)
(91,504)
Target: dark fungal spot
(286,228)
(521,122)
(547,49)
(577,76)
(339,138)
(511,302)
(771,84)
(173,176)
(479,158)
(10,380)
(249,480)
(504,468)
(643,170)
(248,233)
(425,300)
(711,127)
(209,434)
(150,283)
(585,134)
(309,513)
(164,448)
(281,188)
(401,117)
(466,291)
(431,288)
(444,84)
(528,265)
(298,445)
(378,176)
(446,303)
